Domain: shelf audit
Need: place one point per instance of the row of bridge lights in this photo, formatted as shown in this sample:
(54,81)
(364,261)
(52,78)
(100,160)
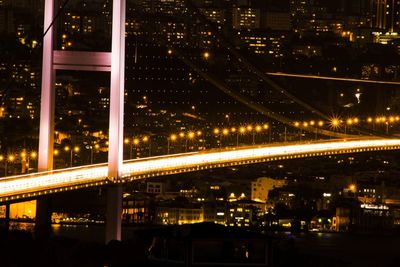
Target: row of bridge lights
(12,157)
(135,141)
(220,132)
(334,123)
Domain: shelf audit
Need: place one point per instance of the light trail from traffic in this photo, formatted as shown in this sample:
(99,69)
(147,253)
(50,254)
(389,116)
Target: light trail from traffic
(283,74)
(33,185)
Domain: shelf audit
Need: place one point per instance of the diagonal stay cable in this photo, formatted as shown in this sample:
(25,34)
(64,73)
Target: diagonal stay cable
(237,96)
(243,61)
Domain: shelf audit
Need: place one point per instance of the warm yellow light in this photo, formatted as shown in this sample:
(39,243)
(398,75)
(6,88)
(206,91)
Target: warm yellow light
(249,128)
(225,131)
(145,139)
(169,51)
(199,133)
(296,124)
(11,158)
(173,137)
(242,130)
(33,155)
(216,131)
(312,123)
(391,119)
(23,154)
(320,123)
(67,148)
(352,187)
(335,122)
(126,140)
(206,55)
(349,121)
(191,135)
(56,152)
(356,120)
(1,157)
(136,141)
(305,124)
(369,120)
(97,146)
(265,126)
(77,149)
(258,128)
(233,130)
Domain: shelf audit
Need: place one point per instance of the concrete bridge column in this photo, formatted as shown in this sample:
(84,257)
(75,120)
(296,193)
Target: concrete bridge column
(113,213)
(43,218)
(5,223)
(46,132)
(116,128)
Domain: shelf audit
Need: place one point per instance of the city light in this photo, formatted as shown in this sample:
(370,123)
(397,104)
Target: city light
(173,137)
(334,123)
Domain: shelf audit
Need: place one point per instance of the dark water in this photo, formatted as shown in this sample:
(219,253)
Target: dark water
(310,249)
(344,249)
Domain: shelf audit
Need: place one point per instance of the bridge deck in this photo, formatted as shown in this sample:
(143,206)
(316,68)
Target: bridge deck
(32,185)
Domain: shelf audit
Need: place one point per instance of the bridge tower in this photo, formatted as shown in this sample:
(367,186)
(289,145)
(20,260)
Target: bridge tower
(113,62)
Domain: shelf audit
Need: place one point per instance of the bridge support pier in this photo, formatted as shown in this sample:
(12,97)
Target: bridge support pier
(114,213)
(43,218)
(5,223)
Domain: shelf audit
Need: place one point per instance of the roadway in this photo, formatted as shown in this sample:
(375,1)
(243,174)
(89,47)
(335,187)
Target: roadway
(17,188)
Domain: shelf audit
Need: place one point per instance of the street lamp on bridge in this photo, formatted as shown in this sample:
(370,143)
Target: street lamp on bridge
(172,138)
(76,149)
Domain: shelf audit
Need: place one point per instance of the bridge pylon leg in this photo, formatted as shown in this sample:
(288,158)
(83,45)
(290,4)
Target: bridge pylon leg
(116,121)
(75,60)
(43,218)
(114,213)
(46,132)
